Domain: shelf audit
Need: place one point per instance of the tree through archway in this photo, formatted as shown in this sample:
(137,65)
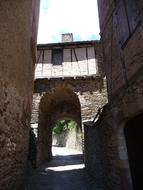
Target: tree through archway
(66,134)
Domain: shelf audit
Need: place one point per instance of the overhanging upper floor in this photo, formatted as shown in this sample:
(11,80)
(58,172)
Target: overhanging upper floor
(69,59)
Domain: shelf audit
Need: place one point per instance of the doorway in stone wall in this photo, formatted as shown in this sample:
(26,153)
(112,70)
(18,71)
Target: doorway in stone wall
(134,141)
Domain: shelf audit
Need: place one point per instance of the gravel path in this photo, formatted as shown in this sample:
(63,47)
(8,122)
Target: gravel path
(64,172)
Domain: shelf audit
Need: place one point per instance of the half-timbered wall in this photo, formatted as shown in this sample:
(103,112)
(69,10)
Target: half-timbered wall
(82,60)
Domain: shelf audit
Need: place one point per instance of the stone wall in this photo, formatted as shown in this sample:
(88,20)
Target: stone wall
(121,35)
(91,93)
(106,155)
(16,84)
(101,154)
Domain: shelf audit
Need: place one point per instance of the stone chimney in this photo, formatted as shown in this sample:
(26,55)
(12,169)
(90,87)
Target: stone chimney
(68,37)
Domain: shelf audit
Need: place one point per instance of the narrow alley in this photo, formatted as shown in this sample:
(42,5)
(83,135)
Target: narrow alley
(65,171)
(71,110)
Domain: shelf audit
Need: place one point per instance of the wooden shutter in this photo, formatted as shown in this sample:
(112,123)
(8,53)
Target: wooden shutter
(134,14)
(57,56)
(121,22)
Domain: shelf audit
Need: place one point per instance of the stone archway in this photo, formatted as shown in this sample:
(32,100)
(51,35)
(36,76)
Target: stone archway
(59,103)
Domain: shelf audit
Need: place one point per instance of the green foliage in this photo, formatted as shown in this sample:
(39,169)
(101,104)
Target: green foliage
(64,125)
(72,124)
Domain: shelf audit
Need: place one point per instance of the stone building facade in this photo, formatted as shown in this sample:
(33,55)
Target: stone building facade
(18,30)
(91,93)
(116,137)
(74,89)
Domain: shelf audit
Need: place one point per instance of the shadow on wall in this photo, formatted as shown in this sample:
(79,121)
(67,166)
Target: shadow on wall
(134,141)
(32,153)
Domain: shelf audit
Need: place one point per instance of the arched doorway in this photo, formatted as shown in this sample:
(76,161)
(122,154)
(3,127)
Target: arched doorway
(134,141)
(60,103)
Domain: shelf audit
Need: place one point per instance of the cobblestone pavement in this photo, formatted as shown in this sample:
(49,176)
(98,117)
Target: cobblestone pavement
(65,172)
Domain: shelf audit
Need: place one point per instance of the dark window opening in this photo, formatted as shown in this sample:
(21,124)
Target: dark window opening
(57,56)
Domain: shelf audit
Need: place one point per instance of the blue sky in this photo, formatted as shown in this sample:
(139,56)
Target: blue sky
(79,17)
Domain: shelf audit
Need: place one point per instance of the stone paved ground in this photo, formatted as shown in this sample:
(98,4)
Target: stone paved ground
(65,172)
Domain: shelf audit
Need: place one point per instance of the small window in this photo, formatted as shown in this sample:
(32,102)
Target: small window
(57,56)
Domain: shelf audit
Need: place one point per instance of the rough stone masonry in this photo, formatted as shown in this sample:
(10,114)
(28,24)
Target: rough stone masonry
(17,59)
